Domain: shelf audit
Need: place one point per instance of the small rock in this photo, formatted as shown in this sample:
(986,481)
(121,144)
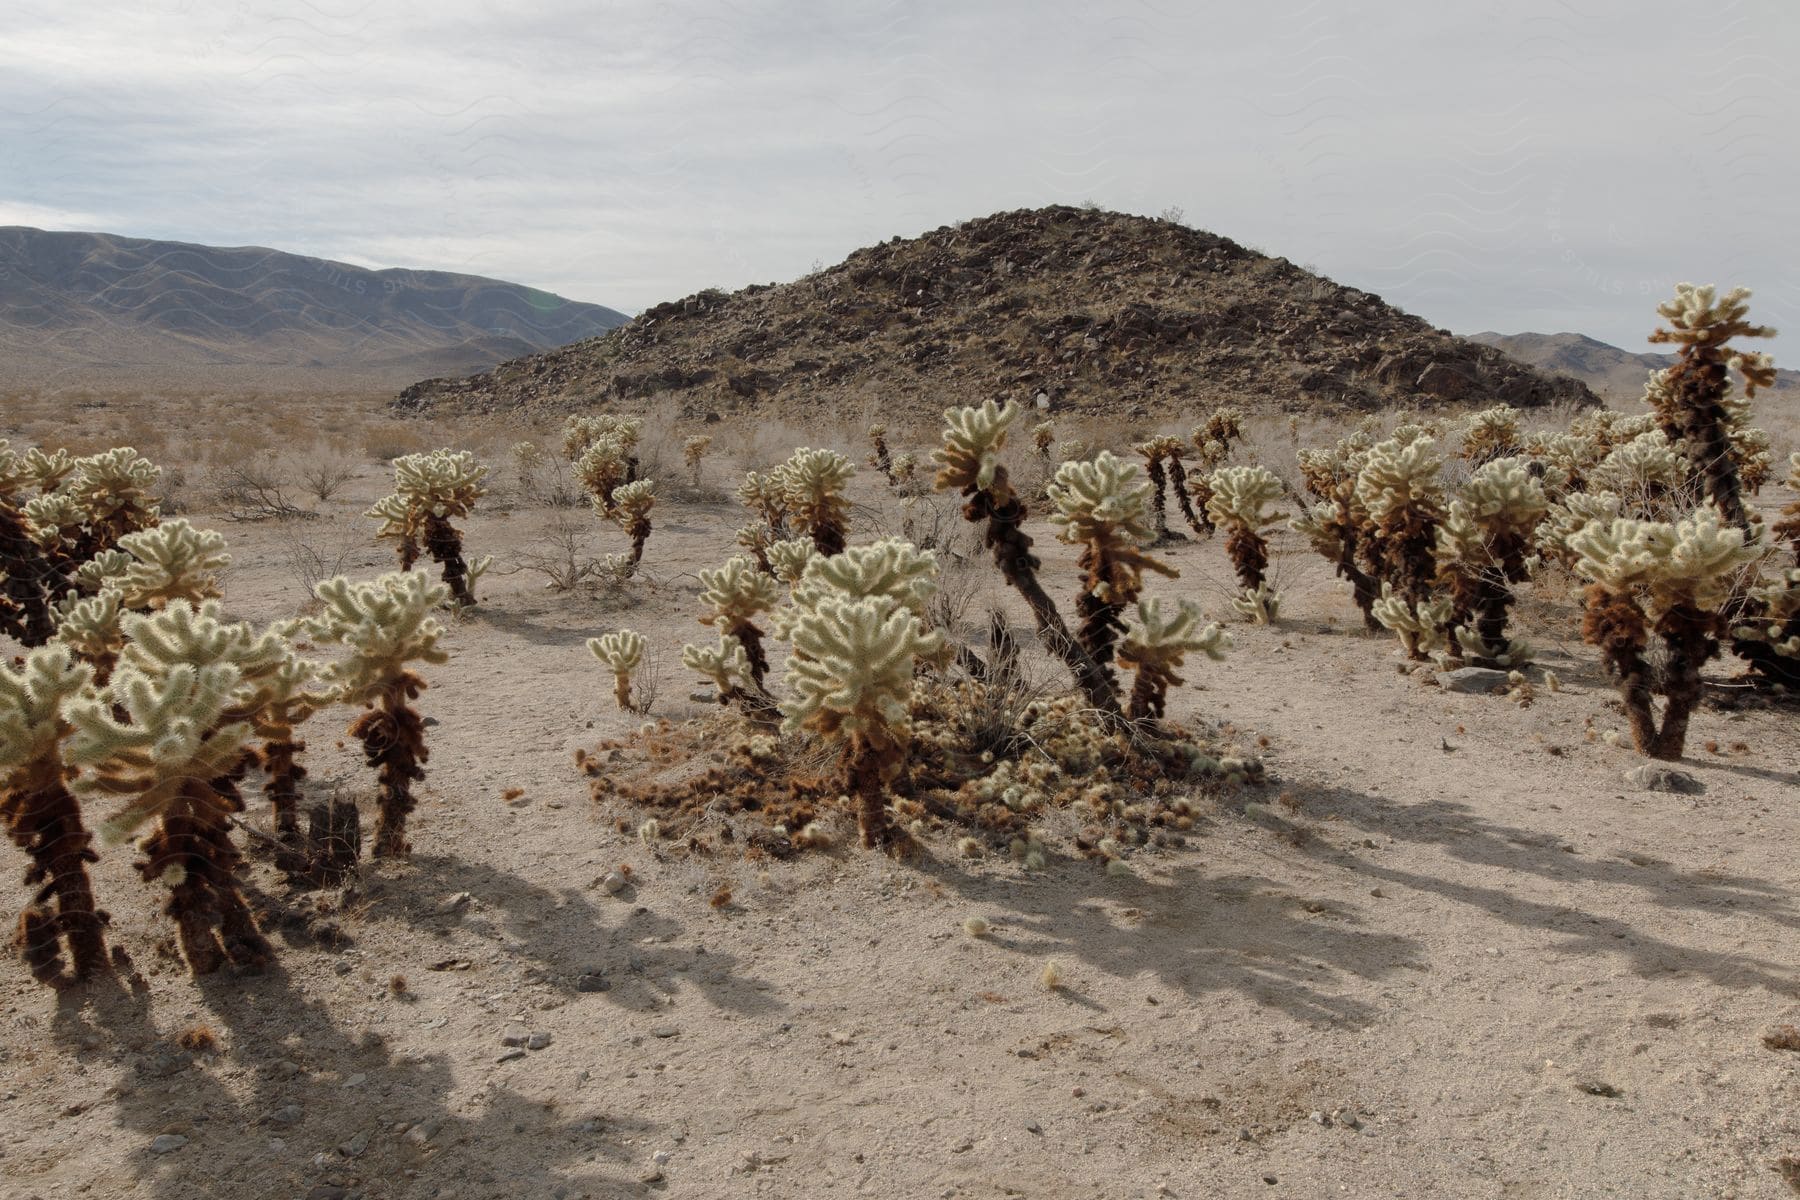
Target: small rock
(537,1041)
(653,1175)
(661,1158)
(593,982)
(286,1115)
(420,1135)
(612,883)
(167,1143)
(665,1031)
(704,696)
(355,1147)
(1318,1118)
(1654,778)
(515,1035)
(454,903)
(510,1055)
(1033,1127)
(1474,681)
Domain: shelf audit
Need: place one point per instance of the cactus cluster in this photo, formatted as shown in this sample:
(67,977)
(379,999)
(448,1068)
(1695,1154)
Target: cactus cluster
(1240,503)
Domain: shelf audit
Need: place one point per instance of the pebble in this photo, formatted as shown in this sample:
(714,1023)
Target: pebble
(1033,1127)
(1476,681)
(1653,778)
(454,903)
(167,1143)
(421,1134)
(593,982)
(661,1158)
(665,1031)
(1318,1118)
(510,1055)
(515,1035)
(355,1147)
(537,1041)
(287,1114)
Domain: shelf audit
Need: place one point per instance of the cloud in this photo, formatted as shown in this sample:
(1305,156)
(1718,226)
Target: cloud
(1538,165)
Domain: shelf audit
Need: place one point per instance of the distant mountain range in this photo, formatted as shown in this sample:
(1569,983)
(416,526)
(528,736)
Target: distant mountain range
(1614,374)
(98,309)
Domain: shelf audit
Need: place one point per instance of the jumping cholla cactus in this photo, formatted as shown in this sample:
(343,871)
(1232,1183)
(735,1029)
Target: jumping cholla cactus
(622,652)
(581,431)
(172,561)
(1646,469)
(1491,434)
(890,569)
(789,557)
(115,493)
(631,509)
(1672,578)
(1154,452)
(1338,527)
(1100,506)
(1398,486)
(27,573)
(734,595)
(1156,647)
(1570,516)
(44,819)
(1483,548)
(286,699)
(812,483)
(1767,629)
(1240,502)
(385,626)
(763,495)
(90,627)
(603,468)
(692,451)
(850,680)
(970,463)
(725,665)
(1691,399)
(906,468)
(429,491)
(170,734)
(879,456)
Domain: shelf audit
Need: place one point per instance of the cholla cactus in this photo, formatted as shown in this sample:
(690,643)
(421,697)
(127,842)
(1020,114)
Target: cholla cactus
(385,626)
(171,734)
(1339,528)
(43,818)
(1788,527)
(734,596)
(172,561)
(1483,547)
(430,490)
(812,483)
(1569,517)
(27,573)
(1154,452)
(906,468)
(604,467)
(90,627)
(1670,577)
(970,463)
(1100,506)
(879,456)
(1156,647)
(1240,502)
(115,491)
(788,559)
(1490,434)
(890,569)
(1766,629)
(726,665)
(631,509)
(850,680)
(692,451)
(622,652)
(582,431)
(1646,468)
(1691,399)
(286,699)
(764,496)
(1423,626)
(1399,488)
(1214,438)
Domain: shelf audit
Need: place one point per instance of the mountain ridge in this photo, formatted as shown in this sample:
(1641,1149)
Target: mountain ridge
(1612,372)
(1103,313)
(76,306)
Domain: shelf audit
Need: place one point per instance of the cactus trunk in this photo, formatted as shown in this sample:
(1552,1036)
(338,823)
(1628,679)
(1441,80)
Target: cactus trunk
(393,738)
(1011,546)
(1616,626)
(284,775)
(871,760)
(1699,421)
(1249,555)
(1178,480)
(1690,637)
(45,822)
(1159,504)
(445,545)
(193,842)
(25,573)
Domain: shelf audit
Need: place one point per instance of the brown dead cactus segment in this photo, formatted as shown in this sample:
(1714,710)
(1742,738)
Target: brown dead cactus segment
(393,738)
(970,464)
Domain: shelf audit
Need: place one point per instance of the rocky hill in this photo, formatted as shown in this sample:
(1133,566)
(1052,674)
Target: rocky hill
(79,307)
(1616,375)
(1100,312)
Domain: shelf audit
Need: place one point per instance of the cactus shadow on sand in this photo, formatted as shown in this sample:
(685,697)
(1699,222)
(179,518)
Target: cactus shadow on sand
(268,1115)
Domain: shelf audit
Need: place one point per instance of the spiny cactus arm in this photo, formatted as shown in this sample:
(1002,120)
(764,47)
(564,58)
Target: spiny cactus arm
(115,490)
(738,592)
(891,568)
(90,627)
(622,651)
(185,634)
(32,698)
(1241,497)
(443,483)
(172,561)
(1422,627)
(813,483)
(725,665)
(789,557)
(852,667)
(1397,476)
(102,571)
(1699,316)
(385,625)
(972,441)
(1105,500)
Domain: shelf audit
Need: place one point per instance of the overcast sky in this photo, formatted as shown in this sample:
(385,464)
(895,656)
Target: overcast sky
(1512,166)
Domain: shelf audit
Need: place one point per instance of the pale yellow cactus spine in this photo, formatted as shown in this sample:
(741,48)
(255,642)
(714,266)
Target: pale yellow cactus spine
(623,652)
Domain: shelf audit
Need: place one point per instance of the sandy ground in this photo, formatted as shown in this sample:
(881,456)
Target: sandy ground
(1491,968)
